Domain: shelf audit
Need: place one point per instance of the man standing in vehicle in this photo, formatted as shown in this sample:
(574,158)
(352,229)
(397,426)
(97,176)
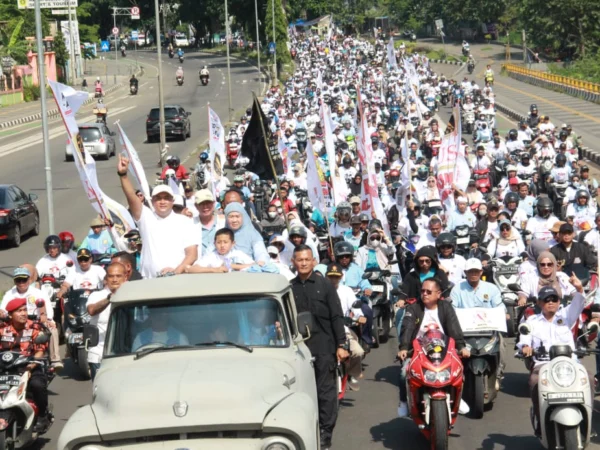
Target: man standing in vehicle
(328,343)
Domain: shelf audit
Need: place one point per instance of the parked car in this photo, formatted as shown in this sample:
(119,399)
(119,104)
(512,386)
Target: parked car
(234,371)
(97,139)
(181,40)
(177,123)
(19,214)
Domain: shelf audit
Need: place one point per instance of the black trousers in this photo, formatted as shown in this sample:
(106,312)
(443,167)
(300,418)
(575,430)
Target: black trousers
(38,386)
(325,375)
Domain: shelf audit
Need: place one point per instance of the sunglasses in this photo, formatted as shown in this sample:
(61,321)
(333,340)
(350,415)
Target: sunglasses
(427,291)
(445,246)
(375,239)
(424,261)
(551,300)
(546,264)
(505,229)
(83,259)
(21,280)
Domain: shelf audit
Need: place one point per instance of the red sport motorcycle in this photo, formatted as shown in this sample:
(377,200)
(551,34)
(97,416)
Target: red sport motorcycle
(434,379)
(482,180)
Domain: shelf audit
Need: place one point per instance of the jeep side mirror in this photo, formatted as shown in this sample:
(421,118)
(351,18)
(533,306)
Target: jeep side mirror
(305,324)
(91,336)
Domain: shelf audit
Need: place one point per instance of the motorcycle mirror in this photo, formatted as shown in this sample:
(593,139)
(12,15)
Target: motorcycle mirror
(40,303)
(593,327)
(524,329)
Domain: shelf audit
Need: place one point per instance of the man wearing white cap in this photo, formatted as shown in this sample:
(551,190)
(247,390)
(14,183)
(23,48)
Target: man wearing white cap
(170,239)
(461,216)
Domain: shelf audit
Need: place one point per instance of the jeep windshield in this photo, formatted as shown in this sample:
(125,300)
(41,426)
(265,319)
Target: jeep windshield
(197,323)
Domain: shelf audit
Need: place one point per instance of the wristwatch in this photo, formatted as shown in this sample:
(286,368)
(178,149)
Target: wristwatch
(345,346)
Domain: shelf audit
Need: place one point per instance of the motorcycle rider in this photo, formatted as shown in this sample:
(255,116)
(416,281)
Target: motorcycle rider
(341,224)
(204,72)
(540,224)
(98,86)
(507,242)
(99,240)
(86,276)
(174,163)
(581,212)
(67,240)
(461,215)
(54,262)
(179,52)
(453,264)
(533,119)
(488,227)
(517,216)
(550,327)
(133,81)
(354,235)
(489,74)
(20,334)
(569,252)
(272,222)
(591,184)
(526,201)
(179,73)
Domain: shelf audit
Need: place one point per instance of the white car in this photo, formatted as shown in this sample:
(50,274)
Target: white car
(206,361)
(181,40)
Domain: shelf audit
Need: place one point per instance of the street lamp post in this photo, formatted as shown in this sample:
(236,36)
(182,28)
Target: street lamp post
(46,139)
(228,64)
(161,100)
(275,42)
(257,35)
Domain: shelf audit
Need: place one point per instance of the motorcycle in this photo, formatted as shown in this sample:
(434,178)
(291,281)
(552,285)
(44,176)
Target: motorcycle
(101,114)
(505,272)
(465,51)
(181,59)
(101,259)
(233,149)
(470,68)
(482,180)
(489,79)
(483,341)
(430,103)
(434,379)
(171,54)
(123,53)
(463,239)
(98,92)
(50,285)
(468,122)
(558,194)
(444,96)
(76,317)
(204,79)
(133,89)
(431,207)
(381,305)
(180,81)
(565,398)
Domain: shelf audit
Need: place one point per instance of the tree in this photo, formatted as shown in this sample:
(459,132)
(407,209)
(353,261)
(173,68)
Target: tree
(12,45)
(281,30)
(62,55)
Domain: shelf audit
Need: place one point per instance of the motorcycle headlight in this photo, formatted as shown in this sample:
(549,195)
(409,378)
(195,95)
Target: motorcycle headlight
(490,345)
(563,373)
(462,231)
(442,376)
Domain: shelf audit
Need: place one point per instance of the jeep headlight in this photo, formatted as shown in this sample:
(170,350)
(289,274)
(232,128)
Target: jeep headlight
(278,443)
(563,374)
(277,446)
(442,376)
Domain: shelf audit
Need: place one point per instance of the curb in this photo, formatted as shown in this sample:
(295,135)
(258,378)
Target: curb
(550,85)
(54,112)
(445,61)
(587,152)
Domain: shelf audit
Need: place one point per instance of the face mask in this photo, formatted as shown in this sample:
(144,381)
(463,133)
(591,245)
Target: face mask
(576,183)
(272,214)
(375,243)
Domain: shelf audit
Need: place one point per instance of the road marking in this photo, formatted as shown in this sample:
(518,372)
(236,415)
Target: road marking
(244,81)
(59,131)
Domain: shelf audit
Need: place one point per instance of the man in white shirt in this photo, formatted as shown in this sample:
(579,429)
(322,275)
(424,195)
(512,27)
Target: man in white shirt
(23,288)
(53,262)
(170,239)
(86,276)
(98,306)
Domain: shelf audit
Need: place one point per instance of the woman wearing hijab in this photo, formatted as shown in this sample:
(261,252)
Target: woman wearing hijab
(376,253)
(508,243)
(247,239)
(355,186)
(432,192)
(546,274)
(529,266)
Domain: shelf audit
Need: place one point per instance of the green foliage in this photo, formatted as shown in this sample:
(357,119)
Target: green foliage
(31,93)
(60,49)
(587,68)
(281,30)
(12,44)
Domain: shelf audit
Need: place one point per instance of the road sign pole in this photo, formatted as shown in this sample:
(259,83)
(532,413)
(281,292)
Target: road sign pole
(115,35)
(45,137)
(257,35)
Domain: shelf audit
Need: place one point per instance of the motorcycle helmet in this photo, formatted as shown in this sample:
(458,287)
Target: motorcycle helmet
(203,157)
(512,134)
(52,241)
(344,209)
(343,248)
(238,179)
(582,193)
(298,230)
(173,161)
(511,168)
(563,134)
(445,239)
(355,220)
(67,240)
(544,207)
(364,217)
(422,173)
(533,107)
(561,160)
(525,156)
(511,197)
(394,175)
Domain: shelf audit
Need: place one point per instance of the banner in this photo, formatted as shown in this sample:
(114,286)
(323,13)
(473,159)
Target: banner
(474,320)
(217,149)
(68,101)
(339,186)
(317,188)
(135,164)
(391,55)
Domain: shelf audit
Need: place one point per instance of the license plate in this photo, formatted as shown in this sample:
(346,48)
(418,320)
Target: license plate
(463,240)
(507,271)
(435,204)
(377,288)
(76,338)
(10,380)
(89,148)
(565,397)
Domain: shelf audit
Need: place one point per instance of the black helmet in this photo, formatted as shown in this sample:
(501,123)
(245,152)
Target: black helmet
(544,207)
(563,133)
(422,173)
(445,239)
(343,248)
(581,193)
(511,197)
(533,107)
(375,224)
(364,217)
(173,160)
(298,230)
(512,134)
(52,241)
(525,156)
(561,159)
(417,204)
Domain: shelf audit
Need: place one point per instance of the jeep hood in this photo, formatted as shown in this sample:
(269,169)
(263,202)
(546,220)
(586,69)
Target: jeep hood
(234,392)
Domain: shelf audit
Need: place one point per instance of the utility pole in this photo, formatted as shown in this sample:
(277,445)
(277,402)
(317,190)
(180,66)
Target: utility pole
(228,64)
(71,47)
(275,42)
(116,36)
(257,35)
(46,139)
(164,12)
(524,47)
(161,100)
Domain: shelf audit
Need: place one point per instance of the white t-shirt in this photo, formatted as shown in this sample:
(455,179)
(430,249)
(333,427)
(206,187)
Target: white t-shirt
(90,279)
(32,294)
(100,321)
(214,259)
(165,241)
(540,227)
(53,266)
(429,317)
(455,267)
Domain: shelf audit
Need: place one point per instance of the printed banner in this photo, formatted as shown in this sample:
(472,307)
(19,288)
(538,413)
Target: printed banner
(135,164)
(473,320)
(217,146)
(317,188)
(340,188)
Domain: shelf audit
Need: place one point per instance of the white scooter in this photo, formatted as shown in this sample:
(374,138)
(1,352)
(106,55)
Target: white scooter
(565,396)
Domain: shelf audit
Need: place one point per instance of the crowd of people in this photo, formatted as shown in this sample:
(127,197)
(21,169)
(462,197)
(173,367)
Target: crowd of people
(529,196)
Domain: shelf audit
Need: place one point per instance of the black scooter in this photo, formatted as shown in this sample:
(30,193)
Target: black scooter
(383,314)
(76,316)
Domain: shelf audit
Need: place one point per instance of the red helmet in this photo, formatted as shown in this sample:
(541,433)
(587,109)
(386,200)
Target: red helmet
(66,236)
(394,173)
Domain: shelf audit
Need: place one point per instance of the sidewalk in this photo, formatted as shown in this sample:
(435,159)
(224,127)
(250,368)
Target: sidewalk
(110,74)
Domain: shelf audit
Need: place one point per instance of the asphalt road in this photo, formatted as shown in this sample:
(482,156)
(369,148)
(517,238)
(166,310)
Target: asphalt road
(21,150)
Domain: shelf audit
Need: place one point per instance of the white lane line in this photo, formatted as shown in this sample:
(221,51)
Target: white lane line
(14,147)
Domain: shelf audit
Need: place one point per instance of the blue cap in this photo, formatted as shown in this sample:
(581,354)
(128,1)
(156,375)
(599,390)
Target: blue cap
(21,272)
(547,291)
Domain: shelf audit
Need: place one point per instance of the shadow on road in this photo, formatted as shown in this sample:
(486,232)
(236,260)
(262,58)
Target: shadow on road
(399,434)
(389,374)
(495,441)
(516,384)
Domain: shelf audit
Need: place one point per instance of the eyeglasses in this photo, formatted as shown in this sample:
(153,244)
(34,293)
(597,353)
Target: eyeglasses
(424,261)
(427,291)
(505,229)
(21,280)
(84,259)
(551,299)
(546,264)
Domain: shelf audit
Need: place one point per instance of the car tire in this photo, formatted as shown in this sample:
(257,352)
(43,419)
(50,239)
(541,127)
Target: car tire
(68,158)
(36,226)
(106,156)
(189,134)
(149,138)
(16,239)
(183,136)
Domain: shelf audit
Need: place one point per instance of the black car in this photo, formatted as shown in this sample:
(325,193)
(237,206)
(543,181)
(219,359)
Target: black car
(19,214)
(177,123)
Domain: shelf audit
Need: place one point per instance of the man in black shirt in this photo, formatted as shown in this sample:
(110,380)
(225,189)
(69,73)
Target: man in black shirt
(569,253)
(327,342)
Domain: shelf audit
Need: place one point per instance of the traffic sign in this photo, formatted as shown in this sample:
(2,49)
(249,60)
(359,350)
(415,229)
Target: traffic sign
(104,46)
(115,31)
(439,24)
(135,12)
(134,35)
(272,48)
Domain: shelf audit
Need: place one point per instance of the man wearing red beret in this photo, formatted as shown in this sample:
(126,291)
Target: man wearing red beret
(19,334)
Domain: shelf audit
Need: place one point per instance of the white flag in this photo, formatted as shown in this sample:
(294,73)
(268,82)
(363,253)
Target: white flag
(391,54)
(217,149)
(316,187)
(135,166)
(68,101)
(339,185)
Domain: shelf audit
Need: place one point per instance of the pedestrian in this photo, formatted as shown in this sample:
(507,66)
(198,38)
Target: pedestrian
(327,343)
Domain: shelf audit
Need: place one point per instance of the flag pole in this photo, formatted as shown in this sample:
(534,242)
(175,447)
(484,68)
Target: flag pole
(262,126)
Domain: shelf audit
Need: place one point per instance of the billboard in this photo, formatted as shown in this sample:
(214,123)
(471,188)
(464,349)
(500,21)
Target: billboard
(55,4)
